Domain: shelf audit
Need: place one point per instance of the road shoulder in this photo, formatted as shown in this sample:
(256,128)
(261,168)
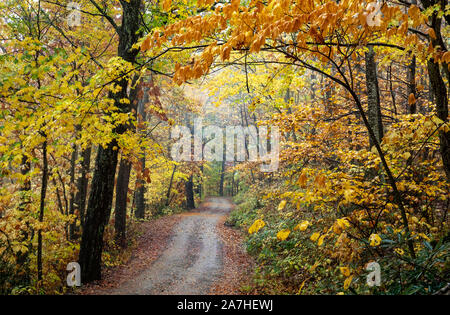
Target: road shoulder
(238,264)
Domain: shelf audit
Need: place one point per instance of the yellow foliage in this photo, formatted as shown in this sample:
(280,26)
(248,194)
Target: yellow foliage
(256,226)
(315,236)
(283,234)
(374,240)
(302,226)
(347,282)
(282,205)
(345,271)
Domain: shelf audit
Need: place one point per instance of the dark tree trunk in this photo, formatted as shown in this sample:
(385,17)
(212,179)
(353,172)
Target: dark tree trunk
(170,185)
(22,258)
(102,187)
(189,188)
(391,89)
(232,185)
(25,199)
(140,194)
(373,97)
(438,86)
(222,177)
(201,181)
(82,184)
(411,88)
(73,160)
(440,98)
(120,211)
(123,179)
(98,212)
(42,206)
(222,172)
(140,183)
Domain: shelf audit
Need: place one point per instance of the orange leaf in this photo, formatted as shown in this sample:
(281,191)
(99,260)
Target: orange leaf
(411,99)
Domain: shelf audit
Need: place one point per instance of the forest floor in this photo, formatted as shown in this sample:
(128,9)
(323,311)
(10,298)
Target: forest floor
(189,253)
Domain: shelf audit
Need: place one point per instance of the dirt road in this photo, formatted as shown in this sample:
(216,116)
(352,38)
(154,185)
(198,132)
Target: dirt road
(193,259)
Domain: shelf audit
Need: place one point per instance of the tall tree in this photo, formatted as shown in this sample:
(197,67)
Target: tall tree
(102,187)
(120,209)
(373,96)
(436,81)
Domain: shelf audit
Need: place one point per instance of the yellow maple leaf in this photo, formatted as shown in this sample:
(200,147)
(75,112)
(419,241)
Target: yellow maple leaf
(302,180)
(345,271)
(374,240)
(315,236)
(283,234)
(256,226)
(313,267)
(302,226)
(347,282)
(320,242)
(282,205)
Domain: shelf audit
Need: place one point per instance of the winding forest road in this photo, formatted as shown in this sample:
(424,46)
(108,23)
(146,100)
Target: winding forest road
(193,259)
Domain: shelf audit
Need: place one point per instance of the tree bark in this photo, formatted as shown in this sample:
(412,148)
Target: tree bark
(98,211)
(140,191)
(441,101)
(25,190)
(373,97)
(42,206)
(438,86)
(189,189)
(120,210)
(411,88)
(170,185)
(140,194)
(73,160)
(222,178)
(82,184)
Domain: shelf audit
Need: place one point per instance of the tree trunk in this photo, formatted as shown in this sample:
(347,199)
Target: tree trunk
(22,258)
(232,185)
(42,206)
(189,189)
(391,90)
(411,88)
(170,185)
(73,160)
(438,86)
(120,210)
(440,98)
(82,184)
(123,179)
(140,191)
(140,194)
(25,191)
(222,174)
(373,97)
(98,212)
